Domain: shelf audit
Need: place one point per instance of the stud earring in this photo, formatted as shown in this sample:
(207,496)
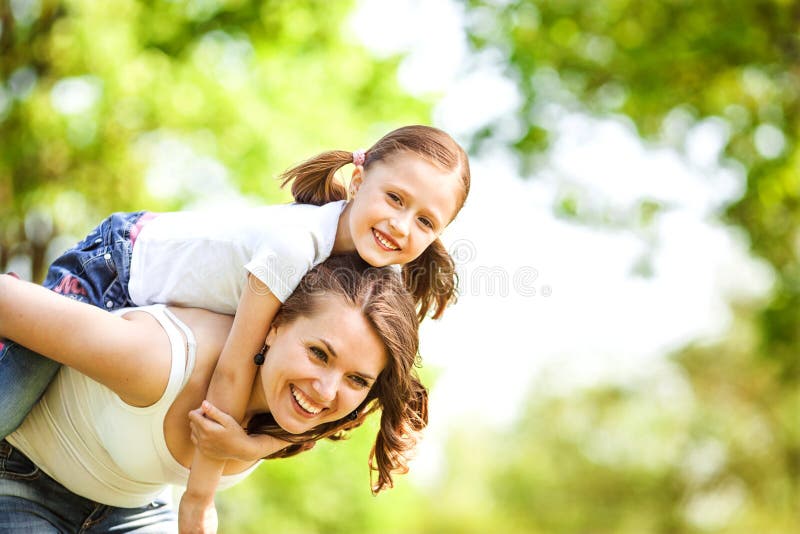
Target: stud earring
(259,358)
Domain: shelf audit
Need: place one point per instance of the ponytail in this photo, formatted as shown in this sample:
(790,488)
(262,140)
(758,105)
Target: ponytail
(314,180)
(432,280)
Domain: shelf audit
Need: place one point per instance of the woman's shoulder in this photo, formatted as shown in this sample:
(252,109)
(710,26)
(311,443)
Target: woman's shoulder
(210,329)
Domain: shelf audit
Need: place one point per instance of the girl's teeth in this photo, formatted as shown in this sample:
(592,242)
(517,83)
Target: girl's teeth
(384,242)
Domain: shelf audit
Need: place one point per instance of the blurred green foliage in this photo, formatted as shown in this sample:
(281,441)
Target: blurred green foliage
(105,105)
(729,461)
(119,105)
(667,65)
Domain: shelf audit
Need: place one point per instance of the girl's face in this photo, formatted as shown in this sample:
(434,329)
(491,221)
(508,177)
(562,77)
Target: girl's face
(400,206)
(319,368)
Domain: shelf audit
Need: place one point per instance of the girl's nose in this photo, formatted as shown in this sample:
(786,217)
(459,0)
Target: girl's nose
(399,225)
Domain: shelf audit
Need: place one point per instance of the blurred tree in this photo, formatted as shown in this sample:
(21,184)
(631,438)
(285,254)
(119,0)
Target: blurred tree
(698,447)
(121,105)
(668,66)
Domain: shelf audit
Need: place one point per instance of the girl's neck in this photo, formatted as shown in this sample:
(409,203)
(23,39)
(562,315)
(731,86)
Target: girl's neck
(343,243)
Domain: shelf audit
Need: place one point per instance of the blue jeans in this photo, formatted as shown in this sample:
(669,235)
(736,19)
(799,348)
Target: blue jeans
(96,271)
(31,501)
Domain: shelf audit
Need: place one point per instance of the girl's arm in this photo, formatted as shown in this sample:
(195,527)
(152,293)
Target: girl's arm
(106,347)
(229,390)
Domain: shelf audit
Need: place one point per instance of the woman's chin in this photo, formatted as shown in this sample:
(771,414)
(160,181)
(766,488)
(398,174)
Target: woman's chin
(291,424)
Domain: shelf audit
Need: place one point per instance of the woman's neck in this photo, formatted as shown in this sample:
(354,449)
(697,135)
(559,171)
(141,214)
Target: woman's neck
(257,403)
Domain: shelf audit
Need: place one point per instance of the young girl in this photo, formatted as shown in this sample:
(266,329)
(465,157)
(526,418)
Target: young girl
(404,191)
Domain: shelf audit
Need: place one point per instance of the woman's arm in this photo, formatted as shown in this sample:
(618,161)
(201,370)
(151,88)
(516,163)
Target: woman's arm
(229,390)
(109,348)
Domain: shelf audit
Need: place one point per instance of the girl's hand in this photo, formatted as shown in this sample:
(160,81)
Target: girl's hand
(218,435)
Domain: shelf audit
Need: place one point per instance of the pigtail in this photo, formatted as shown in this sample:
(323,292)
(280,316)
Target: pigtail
(315,181)
(401,428)
(432,280)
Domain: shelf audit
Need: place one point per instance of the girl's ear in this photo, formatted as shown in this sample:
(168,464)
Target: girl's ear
(356,180)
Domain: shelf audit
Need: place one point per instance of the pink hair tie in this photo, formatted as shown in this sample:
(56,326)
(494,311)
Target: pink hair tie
(359,156)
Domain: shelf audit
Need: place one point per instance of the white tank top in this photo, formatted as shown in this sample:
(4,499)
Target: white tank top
(97,446)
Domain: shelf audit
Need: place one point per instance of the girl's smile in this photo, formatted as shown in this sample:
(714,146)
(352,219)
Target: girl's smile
(385,241)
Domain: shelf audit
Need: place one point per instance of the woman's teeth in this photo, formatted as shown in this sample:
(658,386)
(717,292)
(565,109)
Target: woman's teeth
(304,402)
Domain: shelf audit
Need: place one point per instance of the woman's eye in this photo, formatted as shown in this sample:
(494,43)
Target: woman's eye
(360,382)
(394,197)
(319,354)
(426,222)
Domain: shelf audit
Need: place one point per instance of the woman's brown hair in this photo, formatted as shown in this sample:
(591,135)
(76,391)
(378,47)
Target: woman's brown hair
(431,278)
(398,393)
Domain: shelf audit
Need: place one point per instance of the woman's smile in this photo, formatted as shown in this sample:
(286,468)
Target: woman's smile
(303,402)
(316,366)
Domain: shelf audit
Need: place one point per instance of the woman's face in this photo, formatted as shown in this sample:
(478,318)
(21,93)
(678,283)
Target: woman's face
(320,368)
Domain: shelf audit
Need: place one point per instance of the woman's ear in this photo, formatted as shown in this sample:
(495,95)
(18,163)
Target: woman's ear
(273,331)
(356,180)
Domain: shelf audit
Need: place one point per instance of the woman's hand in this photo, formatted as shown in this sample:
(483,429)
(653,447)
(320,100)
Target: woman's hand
(196,516)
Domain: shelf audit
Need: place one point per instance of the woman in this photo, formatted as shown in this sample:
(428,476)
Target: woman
(112,430)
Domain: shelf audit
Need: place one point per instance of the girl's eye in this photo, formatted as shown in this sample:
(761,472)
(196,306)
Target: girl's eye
(426,222)
(394,197)
(360,382)
(319,354)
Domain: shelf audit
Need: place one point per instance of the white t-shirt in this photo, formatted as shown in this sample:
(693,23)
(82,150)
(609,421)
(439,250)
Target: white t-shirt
(97,446)
(201,259)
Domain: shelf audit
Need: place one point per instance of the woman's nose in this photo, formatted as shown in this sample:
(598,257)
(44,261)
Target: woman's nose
(326,386)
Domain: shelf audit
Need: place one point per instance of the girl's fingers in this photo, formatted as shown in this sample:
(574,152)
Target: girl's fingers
(200,429)
(195,430)
(198,417)
(214,413)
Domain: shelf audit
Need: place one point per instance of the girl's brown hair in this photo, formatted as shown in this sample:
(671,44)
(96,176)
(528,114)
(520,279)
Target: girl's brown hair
(397,392)
(431,277)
